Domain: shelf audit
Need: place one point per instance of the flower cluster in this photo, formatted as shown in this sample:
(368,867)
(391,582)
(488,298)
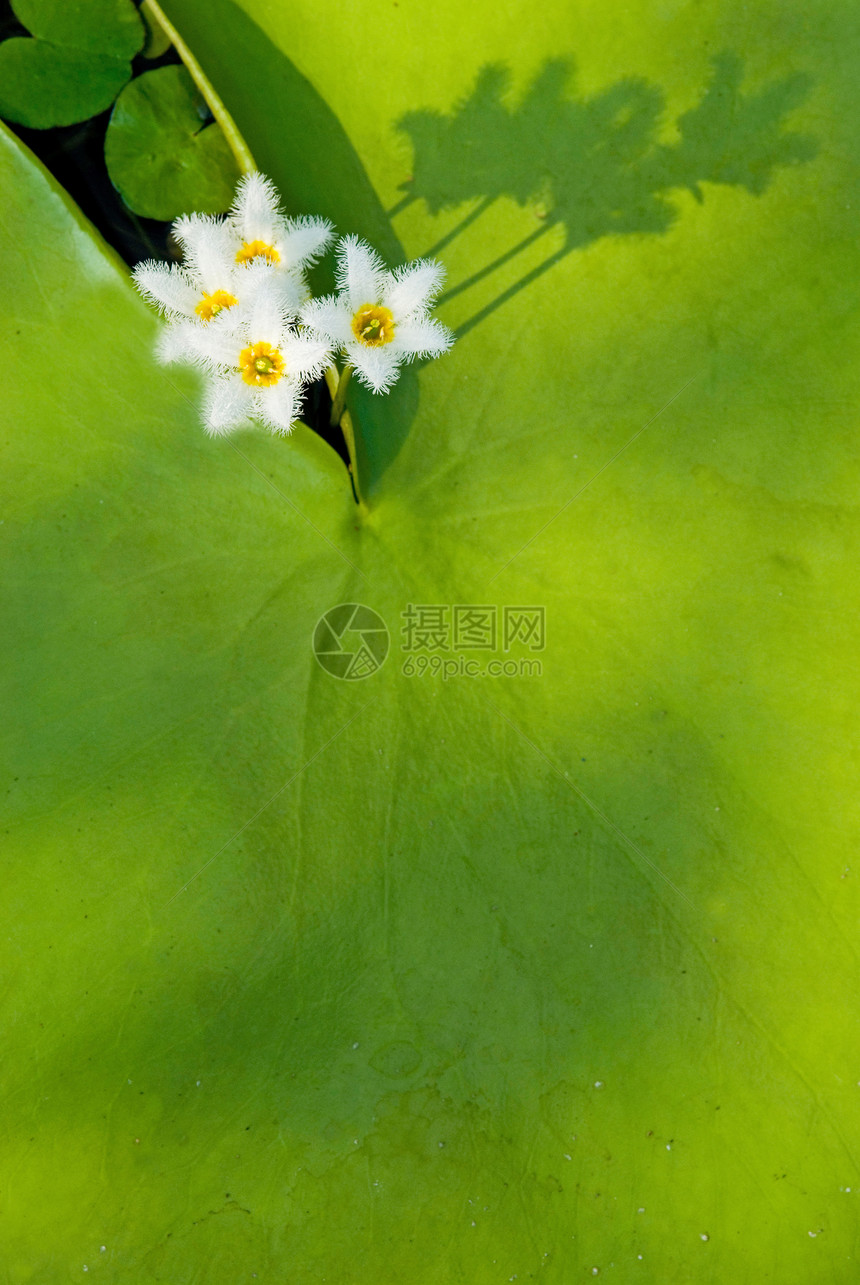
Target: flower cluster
(240,308)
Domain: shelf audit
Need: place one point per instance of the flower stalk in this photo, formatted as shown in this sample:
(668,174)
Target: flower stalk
(338,401)
(337,384)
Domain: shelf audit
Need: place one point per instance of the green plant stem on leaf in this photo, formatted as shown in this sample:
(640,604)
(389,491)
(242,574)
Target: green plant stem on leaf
(337,383)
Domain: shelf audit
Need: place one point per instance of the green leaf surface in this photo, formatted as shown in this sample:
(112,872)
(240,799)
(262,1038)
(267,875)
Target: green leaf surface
(477,979)
(43,85)
(94,26)
(161,156)
(76,64)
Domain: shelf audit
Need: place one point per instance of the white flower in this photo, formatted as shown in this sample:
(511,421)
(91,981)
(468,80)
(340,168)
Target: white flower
(208,281)
(261,231)
(257,361)
(380,319)
(218,251)
(184,338)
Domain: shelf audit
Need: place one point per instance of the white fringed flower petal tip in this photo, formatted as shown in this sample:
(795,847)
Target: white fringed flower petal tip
(229,404)
(380,319)
(262,231)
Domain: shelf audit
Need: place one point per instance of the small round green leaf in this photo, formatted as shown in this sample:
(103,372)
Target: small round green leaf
(95,26)
(43,85)
(161,156)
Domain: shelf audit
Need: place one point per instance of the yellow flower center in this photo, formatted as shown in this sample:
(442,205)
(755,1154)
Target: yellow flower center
(373,325)
(261,365)
(211,304)
(257,250)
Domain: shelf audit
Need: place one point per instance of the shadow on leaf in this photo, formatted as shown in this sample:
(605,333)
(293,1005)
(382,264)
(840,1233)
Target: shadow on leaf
(593,166)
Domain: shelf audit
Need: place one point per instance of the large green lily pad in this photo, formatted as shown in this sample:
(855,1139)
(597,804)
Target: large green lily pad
(490,978)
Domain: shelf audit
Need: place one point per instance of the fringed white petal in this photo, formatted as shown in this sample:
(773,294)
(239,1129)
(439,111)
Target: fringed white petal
(330,316)
(377,368)
(302,287)
(292,290)
(303,240)
(269,303)
(413,287)
(219,342)
(227,403)
(306,356)
(209,246)
(360,272)
(256,210)
(278,406)
(422,337)
(178,343)
(168,287)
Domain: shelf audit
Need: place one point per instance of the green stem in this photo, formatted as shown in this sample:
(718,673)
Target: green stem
(338,383)
(338,401)
(240,149)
